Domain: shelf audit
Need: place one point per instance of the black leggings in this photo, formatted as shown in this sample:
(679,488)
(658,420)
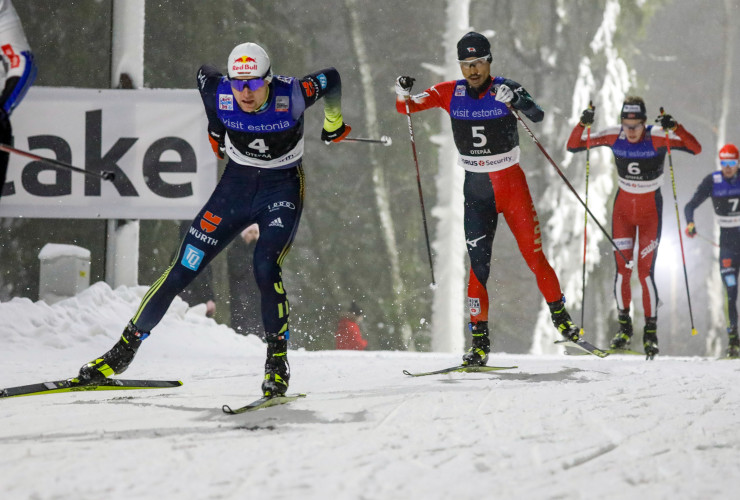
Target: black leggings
(729,264)
(244,195)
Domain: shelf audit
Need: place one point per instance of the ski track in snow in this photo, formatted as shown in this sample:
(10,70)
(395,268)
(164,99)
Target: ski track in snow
(558,427)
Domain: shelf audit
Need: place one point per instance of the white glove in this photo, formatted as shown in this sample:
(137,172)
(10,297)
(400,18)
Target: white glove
(504,94)
(403,86)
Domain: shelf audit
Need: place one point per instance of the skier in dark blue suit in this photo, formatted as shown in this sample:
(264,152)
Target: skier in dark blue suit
(724,189)
(255,119)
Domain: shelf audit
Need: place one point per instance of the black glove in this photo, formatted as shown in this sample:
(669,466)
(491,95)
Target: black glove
(403,85)
(336,135)
(217,143)
(587,117)
(667,122)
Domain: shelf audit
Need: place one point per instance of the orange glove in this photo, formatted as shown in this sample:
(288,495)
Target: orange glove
(337,135)
(217,143)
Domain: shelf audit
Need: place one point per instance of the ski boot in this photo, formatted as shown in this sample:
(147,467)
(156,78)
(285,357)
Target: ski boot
(477,355)
(624,335)
(650,338)
(114,361)
(277,369)
(733,349)
(561,320)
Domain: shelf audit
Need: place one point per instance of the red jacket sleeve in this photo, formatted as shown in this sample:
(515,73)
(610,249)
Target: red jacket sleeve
(437,96)
(680,139)
(577,140)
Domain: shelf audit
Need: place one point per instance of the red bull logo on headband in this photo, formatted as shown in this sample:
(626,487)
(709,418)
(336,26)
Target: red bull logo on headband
(244,65)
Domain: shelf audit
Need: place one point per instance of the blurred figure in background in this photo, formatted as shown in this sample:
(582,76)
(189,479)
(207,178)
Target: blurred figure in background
(723,187)
(17,73)
(348,335)
(245,294)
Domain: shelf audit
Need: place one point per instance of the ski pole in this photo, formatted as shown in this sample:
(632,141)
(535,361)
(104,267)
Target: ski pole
(629,263)
(105,175)
(708,240)
(384,140)
(678,221)
(418,183)
(585,221)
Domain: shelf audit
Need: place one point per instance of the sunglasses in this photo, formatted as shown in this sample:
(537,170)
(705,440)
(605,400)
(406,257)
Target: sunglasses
(474,62)
(728,163)
(253,84)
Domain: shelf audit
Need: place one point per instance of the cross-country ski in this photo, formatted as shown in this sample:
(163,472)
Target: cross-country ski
(461,369)
(70,385)
(264,402)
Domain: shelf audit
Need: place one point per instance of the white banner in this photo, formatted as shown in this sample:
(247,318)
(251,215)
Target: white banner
(154,140)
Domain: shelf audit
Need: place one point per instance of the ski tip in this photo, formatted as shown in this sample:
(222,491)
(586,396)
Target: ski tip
(693,331)
(406,372)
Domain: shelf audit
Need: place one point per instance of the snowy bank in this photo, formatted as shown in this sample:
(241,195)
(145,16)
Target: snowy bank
(574,427)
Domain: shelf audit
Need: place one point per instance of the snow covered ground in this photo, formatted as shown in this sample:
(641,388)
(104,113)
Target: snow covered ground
(567,427)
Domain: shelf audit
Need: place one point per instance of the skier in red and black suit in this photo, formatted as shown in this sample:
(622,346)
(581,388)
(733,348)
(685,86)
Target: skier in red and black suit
(255,119)
(639,151)
(487,139)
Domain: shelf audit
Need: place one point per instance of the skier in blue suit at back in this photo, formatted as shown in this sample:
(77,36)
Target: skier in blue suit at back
(724,188)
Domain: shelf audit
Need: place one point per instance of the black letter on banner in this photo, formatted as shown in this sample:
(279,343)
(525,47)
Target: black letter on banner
(153,167)
(6,188)
(31,172)
(94,162)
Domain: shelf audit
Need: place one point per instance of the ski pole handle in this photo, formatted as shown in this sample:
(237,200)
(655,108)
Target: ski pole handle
(384,140)
(105,174)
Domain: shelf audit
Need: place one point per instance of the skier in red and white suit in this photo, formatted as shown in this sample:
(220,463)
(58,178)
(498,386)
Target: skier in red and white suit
(17,74)
(639,152)
(486,136)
